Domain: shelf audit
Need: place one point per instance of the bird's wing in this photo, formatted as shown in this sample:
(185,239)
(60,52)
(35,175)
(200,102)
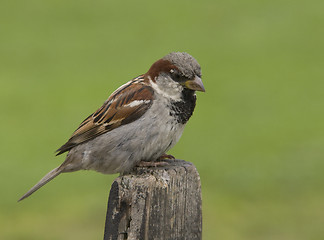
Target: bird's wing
(125,105)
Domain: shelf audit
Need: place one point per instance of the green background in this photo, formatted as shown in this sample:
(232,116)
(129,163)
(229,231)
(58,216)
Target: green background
(256,136)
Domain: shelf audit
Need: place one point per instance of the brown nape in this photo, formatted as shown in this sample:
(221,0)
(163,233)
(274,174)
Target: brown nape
(158,67)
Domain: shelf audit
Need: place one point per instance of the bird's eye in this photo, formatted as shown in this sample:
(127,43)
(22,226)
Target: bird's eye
(175,74)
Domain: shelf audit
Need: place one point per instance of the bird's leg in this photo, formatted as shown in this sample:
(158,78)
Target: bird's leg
(165,156)
(160,162)
(152,164)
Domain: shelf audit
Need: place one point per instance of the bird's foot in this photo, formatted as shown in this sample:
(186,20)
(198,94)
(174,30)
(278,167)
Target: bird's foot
(160,162)
(165,156)
(152,164)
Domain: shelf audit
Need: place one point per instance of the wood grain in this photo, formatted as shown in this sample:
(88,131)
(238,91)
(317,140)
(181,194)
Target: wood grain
(156,203)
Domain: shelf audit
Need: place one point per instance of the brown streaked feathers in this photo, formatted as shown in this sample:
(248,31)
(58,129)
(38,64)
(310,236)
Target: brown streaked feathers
(124,106)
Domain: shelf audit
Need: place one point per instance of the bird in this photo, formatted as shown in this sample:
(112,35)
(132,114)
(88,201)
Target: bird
(138,123)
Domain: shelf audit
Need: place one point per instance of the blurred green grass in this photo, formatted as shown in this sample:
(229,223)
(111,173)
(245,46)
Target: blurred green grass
(256,136)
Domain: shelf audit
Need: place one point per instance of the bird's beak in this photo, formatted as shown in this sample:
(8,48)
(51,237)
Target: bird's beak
(195,84)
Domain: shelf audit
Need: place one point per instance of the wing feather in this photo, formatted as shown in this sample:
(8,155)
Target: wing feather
(118,110)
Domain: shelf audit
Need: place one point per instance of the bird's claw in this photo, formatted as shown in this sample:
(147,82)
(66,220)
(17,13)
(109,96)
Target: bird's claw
(166,157)
(152,164)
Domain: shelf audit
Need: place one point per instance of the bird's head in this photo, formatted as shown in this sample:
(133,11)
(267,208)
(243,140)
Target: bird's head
(174,73)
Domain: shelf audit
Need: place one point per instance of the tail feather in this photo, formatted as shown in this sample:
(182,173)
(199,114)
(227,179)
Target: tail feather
(48,177)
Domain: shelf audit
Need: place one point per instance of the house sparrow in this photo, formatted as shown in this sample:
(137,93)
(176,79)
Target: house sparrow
(140,121)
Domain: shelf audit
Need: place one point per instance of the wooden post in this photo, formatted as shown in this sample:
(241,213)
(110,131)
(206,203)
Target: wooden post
(155,203)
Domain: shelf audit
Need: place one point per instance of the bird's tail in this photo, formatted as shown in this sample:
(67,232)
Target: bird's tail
(48,177)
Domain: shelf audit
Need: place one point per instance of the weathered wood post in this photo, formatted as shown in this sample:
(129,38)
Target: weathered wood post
(155,203)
